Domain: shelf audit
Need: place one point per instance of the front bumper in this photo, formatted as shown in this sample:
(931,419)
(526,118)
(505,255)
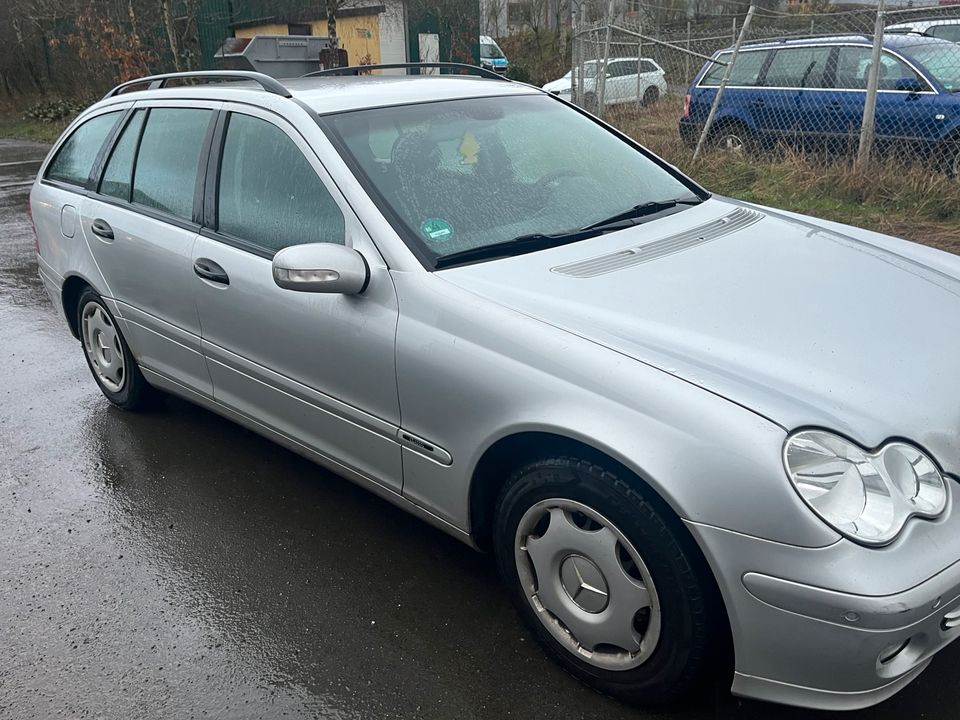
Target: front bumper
(801,644)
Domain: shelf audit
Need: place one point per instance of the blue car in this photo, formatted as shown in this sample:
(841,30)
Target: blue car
(812,92)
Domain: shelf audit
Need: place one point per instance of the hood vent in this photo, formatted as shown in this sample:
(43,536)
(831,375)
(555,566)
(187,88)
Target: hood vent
(734,221)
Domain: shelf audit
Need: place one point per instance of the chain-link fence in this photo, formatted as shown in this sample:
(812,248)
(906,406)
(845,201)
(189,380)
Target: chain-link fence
(847,85)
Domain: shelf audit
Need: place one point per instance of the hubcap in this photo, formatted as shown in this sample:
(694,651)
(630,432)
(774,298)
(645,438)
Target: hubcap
(101,342)
(587,584)
(731,143)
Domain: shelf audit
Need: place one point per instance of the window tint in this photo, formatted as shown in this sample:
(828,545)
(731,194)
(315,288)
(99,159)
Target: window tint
(166,169)
(947,32)
(75,158)
(269,194)
(117,176)
(746,71)
(802,67)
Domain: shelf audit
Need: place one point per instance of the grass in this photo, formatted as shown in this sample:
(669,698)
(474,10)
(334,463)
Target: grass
(13,124)
(908,201)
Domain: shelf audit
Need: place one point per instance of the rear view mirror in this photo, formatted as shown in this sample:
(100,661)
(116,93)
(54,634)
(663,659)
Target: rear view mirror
(909,85)
(321,268)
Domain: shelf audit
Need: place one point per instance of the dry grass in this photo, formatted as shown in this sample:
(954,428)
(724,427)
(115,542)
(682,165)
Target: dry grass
(909,201)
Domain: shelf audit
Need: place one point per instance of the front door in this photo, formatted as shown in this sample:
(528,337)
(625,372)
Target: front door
(316,368)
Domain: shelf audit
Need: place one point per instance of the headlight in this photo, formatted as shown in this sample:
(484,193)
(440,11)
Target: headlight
(867,496)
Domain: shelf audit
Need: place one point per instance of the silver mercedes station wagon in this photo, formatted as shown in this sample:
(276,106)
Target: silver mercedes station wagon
(679,422)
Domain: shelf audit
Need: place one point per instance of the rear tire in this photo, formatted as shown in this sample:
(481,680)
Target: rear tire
(108,356)
(590,103)
(651,95)
(602,579)
(732,138)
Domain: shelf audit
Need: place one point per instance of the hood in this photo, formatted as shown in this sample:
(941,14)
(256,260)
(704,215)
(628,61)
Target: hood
(801,324)
(558,85)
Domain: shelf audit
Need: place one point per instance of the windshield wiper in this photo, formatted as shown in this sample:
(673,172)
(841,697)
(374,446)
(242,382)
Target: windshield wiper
(540,241)
(516,246)
(642,210)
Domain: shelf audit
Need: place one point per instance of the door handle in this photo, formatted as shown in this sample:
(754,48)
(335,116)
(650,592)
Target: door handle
(101,228)
(209,270)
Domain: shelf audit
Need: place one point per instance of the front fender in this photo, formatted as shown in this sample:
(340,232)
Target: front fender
(471,372)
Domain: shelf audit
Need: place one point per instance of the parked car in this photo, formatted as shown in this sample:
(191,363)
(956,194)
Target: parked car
(813,90)
(491,56)
(674,418)
(945,29)
(628,80)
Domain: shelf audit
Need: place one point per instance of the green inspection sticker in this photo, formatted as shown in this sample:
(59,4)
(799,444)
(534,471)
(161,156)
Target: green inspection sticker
(437,229)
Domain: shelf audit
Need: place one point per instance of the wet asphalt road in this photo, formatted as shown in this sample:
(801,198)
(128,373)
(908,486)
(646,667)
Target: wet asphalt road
(174,565)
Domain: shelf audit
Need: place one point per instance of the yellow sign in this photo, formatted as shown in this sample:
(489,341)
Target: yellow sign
(469,149)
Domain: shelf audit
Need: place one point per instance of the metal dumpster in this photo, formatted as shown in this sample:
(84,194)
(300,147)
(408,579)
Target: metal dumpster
(279,56)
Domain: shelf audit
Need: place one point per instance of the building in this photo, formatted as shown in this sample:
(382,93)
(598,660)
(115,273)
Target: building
(382,31)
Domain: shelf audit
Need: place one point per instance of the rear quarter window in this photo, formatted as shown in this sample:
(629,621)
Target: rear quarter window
(746,71)
(74,159)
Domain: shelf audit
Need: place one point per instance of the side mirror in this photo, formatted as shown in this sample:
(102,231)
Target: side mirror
(321,268)
(908,85)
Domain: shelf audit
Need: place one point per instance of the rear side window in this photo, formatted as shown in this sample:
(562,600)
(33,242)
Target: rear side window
(647,67)
(802,67)
(165,173)
(75,158)
(119,172)
(269,194)
(746,71)
(947,32)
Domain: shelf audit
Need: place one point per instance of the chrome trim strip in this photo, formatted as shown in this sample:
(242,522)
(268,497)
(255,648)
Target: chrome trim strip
(831,45)
(288,386)
(423,447)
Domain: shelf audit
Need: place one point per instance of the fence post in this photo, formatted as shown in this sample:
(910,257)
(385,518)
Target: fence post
(733,32)
(723,82)
(639,53)
(686,57)
(873,81)
(602,76)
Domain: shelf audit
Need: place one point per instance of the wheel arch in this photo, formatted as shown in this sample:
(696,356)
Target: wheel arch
(73,287)
(509,453)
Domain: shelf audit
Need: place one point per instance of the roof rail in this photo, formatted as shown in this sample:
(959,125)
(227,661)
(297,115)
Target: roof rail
(781,39)
(155,82)
(357,69)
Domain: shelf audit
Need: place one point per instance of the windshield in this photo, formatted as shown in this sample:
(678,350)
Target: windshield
(942,60)
(489,51)
(462,174)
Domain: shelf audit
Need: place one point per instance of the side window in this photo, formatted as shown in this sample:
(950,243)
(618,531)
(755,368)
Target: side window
(619,69)
(946,32)
(802,67)
(853,69)
(746,71)
(119,171)
(269,194)
(75,157)
(166,169)
(647,67)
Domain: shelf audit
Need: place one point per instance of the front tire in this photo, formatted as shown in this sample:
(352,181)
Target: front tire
(108,356)
(602,579)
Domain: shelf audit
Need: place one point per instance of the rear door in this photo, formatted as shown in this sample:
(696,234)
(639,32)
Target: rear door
(317,369)
(141,226)
(797,92)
